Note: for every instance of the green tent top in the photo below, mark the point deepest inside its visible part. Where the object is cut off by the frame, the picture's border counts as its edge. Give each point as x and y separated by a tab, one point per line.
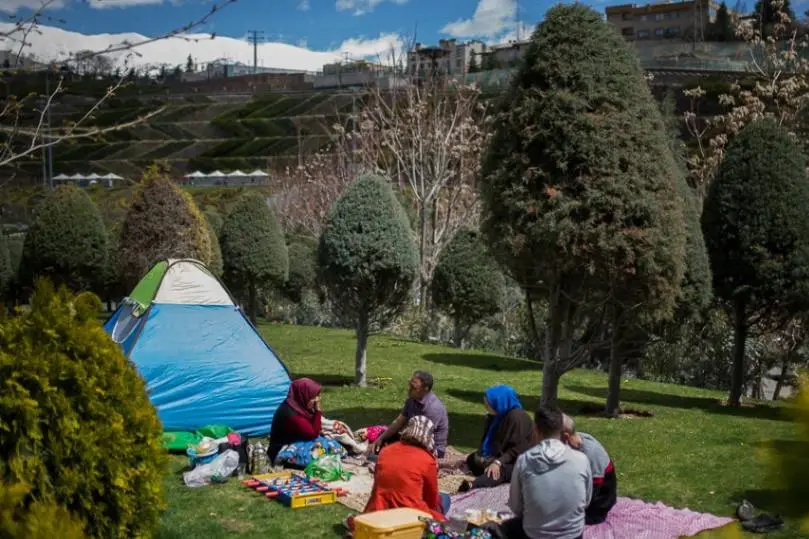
145	291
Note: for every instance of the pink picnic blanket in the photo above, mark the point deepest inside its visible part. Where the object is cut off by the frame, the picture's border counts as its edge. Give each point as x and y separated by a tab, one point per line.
628	518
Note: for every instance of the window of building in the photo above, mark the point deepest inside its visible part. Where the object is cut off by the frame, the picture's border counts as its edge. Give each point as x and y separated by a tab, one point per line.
660	16
644	18
642	34
626	16
675	14
628	32
673	31
659	32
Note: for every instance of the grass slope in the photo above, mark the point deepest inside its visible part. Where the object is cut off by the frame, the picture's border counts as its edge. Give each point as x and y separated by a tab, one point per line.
693	453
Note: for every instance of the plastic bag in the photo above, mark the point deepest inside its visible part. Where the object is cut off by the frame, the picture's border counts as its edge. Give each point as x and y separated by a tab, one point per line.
327	468
217	471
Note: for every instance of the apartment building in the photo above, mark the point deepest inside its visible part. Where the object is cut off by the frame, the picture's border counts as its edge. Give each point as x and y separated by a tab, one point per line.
662	20
449	57
504	55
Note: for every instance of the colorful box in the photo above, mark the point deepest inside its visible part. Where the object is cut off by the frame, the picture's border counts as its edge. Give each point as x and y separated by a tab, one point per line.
293	490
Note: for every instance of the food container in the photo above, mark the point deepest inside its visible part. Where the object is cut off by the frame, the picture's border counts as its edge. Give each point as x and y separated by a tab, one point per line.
390	524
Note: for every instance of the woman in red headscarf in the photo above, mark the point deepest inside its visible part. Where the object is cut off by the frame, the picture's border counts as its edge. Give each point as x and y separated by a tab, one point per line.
298	417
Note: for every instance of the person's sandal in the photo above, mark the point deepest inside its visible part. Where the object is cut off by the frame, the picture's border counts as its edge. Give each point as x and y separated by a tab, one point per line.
763	524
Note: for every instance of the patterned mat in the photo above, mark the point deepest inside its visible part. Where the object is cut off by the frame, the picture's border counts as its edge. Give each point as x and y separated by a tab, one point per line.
629	518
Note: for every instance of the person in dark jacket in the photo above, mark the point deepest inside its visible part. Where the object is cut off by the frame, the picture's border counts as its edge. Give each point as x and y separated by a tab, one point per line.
298	419
507	433
605	482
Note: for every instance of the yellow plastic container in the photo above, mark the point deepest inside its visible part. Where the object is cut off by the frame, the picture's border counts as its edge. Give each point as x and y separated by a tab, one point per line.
390	524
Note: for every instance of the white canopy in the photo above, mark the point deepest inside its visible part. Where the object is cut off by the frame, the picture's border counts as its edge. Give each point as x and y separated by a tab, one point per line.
258	174
216	174
196	174
93	176
78	176
112	176
61	177
236	174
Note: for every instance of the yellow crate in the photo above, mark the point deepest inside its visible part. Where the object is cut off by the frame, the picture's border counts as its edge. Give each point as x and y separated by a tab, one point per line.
299	501
390	524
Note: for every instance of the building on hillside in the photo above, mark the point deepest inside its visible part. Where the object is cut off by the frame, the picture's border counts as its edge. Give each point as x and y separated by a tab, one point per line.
663	20
502	56
448	57
225	69
355	74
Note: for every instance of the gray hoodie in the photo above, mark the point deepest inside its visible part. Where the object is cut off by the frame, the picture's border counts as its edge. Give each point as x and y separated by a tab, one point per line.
551	487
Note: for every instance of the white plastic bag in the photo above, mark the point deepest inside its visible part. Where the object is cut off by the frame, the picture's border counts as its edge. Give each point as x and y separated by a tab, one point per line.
216	471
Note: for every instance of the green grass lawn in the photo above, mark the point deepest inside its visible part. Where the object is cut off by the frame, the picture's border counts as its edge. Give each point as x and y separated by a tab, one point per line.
692	453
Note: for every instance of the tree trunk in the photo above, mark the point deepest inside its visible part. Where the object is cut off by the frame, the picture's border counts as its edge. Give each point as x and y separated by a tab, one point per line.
459	334
360	357
550	384
616	363
422	255
739	342
779	384
252	303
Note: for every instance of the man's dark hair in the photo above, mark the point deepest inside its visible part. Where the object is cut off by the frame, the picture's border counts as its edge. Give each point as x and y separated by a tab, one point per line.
426	379
549	420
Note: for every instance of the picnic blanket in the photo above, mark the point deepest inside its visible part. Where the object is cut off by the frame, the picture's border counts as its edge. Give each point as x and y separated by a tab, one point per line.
629	517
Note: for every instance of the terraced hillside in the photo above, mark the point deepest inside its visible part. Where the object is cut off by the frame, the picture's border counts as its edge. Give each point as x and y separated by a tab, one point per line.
199	132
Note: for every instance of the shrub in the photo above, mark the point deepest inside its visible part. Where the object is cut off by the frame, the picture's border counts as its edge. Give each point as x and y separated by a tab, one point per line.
215	220
253	249
367	259
467	284
757	232
67	240
14	244
215	266
162	222
77	424
35	519
6	273
302	268
578	188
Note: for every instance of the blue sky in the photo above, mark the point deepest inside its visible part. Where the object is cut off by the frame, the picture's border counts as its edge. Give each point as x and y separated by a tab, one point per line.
318	24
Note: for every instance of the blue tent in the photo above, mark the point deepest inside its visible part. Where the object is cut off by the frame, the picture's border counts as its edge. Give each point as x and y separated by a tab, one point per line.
203	361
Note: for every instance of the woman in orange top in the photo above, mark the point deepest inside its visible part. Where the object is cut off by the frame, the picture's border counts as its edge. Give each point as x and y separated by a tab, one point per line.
407	473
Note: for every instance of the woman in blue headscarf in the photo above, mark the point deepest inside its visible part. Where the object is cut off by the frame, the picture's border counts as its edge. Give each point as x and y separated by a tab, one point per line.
507	433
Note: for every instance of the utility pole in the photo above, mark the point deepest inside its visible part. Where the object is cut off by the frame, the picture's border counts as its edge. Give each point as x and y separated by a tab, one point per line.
48	112
517	20
254	37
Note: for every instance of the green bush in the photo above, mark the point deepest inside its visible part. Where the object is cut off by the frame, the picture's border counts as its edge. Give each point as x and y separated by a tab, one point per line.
14	245
67	240
162	222
214	219
6	272
467	283
302	268
34	520
216	252
367	259
253	249
77	424
757	233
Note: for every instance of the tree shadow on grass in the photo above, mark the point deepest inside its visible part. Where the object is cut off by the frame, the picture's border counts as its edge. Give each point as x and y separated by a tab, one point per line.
465	430
326	380
708	404
483	361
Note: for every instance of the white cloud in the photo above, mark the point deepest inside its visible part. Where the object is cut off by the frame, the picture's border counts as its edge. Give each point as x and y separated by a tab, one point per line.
491	17
522	32
112	4
304	5
361	7
11	6
52	43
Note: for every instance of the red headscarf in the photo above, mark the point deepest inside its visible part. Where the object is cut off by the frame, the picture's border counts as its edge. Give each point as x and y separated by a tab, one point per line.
300	393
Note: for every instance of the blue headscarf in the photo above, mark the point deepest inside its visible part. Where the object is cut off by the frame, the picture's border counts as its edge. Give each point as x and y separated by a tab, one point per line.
502	399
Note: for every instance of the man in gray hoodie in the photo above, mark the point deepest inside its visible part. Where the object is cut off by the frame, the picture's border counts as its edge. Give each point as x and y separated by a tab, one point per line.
551	485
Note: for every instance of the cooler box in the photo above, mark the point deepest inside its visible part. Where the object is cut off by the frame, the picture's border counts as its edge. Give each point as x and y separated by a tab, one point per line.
390	524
